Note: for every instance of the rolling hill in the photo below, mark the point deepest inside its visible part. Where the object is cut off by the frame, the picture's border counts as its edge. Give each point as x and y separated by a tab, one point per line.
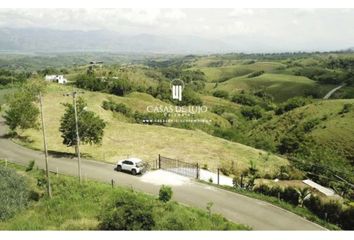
123	138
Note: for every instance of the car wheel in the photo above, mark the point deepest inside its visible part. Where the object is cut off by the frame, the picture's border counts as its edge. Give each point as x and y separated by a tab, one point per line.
119	168
134	172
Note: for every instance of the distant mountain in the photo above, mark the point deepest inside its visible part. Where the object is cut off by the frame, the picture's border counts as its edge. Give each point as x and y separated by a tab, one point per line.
48	40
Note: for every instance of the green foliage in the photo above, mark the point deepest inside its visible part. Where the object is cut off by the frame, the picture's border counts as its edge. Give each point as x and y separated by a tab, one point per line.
120	87
90	82
244	99
116	107
255	74
251	113
221	94
165	193
346	108
128	213
310	124
189	97
23	112
291	104
30	166
14	195
289	144
91	126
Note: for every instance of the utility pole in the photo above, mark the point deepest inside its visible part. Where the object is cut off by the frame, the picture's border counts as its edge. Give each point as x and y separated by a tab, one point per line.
77	135
49	190
77	146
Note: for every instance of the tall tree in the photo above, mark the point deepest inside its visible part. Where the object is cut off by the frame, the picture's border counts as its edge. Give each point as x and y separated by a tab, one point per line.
91	127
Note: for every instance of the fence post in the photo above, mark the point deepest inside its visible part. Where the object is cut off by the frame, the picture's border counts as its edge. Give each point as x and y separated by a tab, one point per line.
241	181
197	171
159	161
218	176
112	182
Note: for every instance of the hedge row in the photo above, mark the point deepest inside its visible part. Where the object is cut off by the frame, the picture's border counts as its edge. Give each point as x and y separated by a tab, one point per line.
331	211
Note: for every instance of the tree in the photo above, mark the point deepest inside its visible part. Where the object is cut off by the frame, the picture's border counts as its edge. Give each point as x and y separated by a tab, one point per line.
91	126
23	112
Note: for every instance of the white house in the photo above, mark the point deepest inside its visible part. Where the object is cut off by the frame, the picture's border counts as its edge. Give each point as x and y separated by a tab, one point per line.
56	78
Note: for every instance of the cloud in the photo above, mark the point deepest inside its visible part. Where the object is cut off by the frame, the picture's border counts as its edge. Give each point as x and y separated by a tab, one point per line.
289	28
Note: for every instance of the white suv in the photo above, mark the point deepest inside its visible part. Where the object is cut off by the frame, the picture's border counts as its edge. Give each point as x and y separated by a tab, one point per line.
132	165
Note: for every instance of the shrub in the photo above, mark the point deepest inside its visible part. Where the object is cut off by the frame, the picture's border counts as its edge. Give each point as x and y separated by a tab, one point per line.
290	195
289	144
346	108
309	125
30	166
165	193
251	113
221	94
263	189
332	211
14	193
347	219
255	74
244	99
116	107
291	104
128	212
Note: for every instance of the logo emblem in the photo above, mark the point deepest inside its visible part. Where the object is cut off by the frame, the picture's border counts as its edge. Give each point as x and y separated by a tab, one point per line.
177	87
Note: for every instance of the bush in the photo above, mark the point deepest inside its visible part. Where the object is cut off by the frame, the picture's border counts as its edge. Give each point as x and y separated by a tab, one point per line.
221	94
291	104
251	113
128	212
346	108
263	189
165	193
255	74
30	166
347	219
14	193
244	99
116	107
332	211
290	195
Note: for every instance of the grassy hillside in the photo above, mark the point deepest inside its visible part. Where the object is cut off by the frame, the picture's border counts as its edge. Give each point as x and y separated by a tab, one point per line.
146	141
280	86
77	206
334	129
223	73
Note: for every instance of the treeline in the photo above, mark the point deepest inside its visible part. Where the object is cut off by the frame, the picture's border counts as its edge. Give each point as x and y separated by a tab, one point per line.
8	77
121	85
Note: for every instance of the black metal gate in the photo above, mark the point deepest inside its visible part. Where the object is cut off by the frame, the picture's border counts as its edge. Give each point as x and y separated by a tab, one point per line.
179	167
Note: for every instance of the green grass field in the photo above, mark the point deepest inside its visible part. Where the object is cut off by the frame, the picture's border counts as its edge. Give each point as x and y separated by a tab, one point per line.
145	141
334	130
223	73
281	86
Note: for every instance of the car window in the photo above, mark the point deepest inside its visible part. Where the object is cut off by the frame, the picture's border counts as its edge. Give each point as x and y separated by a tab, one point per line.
129	163
126	162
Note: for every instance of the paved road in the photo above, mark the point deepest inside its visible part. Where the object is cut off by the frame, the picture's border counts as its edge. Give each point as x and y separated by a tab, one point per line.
329	94
238	208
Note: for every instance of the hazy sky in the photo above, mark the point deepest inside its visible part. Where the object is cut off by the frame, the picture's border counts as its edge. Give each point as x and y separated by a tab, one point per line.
286	29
